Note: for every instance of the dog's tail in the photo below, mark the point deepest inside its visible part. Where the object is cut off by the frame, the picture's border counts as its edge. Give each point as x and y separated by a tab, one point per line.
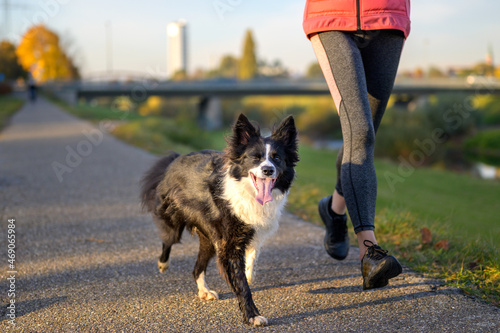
152	179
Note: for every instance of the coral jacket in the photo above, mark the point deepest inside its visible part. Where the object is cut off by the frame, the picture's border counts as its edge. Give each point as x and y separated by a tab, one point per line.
352	15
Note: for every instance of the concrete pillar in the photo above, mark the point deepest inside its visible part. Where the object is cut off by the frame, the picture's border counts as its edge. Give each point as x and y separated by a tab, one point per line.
210	113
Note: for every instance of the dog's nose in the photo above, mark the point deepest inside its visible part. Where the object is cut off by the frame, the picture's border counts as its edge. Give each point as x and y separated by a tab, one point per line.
267	170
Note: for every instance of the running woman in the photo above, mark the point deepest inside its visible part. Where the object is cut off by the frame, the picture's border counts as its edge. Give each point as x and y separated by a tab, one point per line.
358	45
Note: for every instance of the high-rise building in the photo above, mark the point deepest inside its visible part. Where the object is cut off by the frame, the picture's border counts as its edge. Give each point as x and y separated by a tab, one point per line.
176	47
489	56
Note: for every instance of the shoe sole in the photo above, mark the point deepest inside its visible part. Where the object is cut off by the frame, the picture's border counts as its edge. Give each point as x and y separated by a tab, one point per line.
381	278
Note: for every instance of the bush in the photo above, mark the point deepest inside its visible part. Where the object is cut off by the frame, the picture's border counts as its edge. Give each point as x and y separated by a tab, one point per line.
397	134
315	116
160	134
489	108
445	120
455	114
484	147
5	88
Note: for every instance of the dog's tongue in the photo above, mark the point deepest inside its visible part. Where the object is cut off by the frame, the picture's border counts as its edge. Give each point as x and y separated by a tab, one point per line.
265	186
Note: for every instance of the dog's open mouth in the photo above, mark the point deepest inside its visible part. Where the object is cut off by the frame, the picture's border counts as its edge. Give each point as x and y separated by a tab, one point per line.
264	186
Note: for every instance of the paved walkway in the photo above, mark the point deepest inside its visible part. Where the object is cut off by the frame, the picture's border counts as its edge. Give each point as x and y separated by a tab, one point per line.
86	254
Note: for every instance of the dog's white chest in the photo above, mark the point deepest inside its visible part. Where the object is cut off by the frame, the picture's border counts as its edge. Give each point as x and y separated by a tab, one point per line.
263	218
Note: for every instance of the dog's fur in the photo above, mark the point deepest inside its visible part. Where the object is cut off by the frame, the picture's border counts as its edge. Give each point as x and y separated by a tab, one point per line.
214	194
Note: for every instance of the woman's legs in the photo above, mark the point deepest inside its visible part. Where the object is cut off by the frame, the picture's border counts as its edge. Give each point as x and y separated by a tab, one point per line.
360	69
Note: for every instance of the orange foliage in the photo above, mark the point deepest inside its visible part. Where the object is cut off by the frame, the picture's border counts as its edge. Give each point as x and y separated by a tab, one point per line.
39	52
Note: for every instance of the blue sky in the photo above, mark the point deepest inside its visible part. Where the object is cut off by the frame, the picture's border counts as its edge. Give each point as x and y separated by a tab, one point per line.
444	33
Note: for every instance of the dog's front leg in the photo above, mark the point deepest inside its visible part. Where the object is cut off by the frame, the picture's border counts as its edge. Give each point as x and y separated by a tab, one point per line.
251	256
232	266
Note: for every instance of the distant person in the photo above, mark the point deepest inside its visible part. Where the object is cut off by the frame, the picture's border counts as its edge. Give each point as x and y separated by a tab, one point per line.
32	88
358	44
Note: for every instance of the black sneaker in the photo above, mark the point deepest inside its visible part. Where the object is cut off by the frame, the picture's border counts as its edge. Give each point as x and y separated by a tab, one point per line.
378	267
336	239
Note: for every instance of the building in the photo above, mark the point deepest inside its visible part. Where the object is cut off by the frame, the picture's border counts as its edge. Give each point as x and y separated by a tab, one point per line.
489	56
176	47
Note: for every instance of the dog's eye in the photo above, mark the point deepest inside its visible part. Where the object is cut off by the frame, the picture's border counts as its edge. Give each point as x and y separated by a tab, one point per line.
277	158
257	157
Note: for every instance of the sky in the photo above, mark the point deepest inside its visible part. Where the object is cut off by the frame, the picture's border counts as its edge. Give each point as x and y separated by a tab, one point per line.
445	33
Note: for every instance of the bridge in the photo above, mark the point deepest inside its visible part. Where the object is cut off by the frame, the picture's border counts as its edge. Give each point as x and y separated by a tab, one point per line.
211	91
230	88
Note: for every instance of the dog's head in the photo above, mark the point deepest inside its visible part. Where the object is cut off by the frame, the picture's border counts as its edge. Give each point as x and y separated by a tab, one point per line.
268	162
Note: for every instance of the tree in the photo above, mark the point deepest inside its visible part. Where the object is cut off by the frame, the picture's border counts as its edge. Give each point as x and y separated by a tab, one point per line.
435	73
73	54
40	53
9	64
274	69
483	68
228	67
314	71
248	63
179	75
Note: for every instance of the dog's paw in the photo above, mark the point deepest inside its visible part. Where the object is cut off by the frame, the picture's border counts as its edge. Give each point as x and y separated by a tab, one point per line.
208	295
258	321
163	266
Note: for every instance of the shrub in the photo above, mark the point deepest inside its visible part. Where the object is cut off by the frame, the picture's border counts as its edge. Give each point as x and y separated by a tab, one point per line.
489	108
5	88
160	134
484	147
455	114
445	120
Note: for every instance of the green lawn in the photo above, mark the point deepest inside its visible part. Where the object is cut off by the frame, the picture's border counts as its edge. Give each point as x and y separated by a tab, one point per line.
468	206
8	106
465	205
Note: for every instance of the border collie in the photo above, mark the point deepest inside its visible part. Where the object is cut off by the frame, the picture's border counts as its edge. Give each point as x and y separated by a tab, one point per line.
232	200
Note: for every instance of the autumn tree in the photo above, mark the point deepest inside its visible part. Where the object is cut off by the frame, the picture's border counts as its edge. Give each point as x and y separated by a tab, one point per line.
314	71
9	64
228	67
248	63
40	53
180	75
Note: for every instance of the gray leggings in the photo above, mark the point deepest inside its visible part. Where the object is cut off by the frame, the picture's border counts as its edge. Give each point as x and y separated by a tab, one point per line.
360	69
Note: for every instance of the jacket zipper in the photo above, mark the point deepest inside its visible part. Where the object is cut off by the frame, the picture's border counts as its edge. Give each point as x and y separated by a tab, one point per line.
358	15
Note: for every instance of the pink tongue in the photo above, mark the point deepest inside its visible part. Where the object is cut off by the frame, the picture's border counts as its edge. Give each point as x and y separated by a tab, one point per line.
265	186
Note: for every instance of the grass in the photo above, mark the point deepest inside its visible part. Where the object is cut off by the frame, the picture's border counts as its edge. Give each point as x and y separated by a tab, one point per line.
8	106
460	203
94	113
457	209
159	135
468	263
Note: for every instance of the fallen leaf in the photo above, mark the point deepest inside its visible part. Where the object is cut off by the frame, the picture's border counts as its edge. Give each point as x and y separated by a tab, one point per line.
442	244
426	235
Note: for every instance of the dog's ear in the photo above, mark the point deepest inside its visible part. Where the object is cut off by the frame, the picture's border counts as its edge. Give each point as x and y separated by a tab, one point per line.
244	131
286	132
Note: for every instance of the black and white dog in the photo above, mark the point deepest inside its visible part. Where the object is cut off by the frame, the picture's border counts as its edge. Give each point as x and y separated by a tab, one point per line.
232	200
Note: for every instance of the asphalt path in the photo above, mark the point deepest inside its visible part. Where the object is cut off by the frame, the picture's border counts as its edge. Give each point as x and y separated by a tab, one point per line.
85	254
